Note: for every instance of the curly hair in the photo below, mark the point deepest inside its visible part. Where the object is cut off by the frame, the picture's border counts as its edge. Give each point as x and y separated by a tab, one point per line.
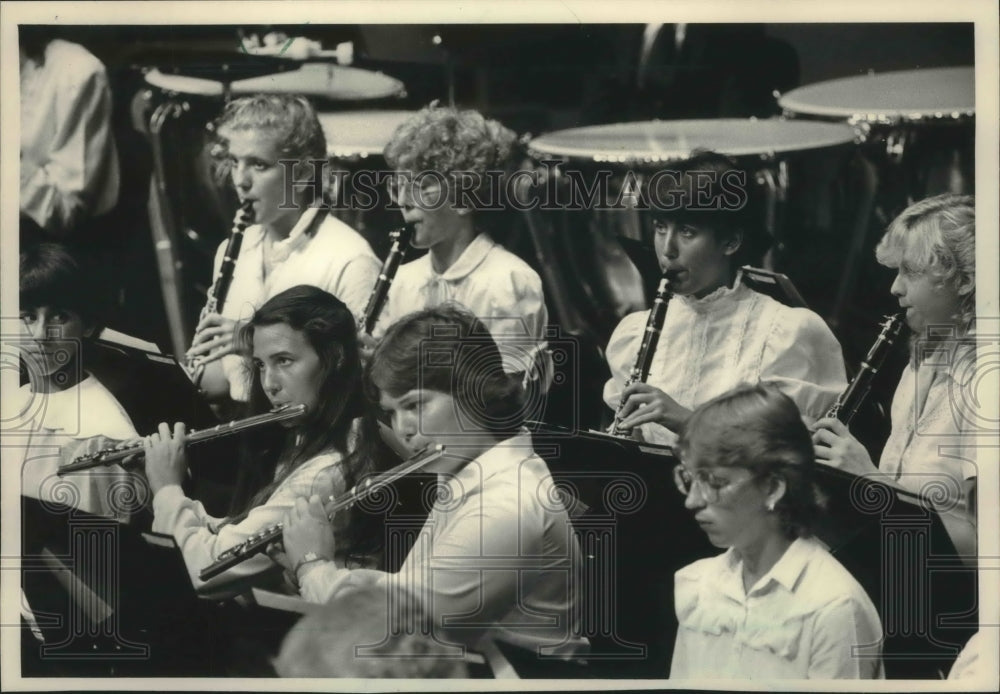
451	142
291	118
760	428
937	236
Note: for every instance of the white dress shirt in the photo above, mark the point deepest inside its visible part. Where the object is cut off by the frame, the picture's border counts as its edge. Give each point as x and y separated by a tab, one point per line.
806	618
730	337
202	540
497	556
495	285
69	164
335	258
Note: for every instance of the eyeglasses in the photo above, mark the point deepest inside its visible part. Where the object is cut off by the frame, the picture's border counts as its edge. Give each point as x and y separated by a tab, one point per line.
711	487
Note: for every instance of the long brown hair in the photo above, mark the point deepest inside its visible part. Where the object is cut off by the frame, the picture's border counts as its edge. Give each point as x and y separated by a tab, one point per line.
332	333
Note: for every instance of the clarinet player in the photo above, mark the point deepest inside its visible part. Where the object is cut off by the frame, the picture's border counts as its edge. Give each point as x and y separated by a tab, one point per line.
717	332
932	246
286	245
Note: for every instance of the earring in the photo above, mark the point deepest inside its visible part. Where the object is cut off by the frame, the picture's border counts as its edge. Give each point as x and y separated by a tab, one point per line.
770	506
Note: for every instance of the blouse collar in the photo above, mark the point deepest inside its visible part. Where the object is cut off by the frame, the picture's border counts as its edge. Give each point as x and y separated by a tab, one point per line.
785	572
284	248
472	257
720	298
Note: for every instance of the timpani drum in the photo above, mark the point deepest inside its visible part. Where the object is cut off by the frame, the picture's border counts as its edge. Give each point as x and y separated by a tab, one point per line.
918	122
917	134
796	169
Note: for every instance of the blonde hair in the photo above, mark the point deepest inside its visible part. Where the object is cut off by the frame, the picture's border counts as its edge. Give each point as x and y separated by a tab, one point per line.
937	237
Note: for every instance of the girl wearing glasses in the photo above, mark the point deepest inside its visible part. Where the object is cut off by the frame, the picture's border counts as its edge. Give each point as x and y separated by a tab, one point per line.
776	604
293	240
718	332
449	163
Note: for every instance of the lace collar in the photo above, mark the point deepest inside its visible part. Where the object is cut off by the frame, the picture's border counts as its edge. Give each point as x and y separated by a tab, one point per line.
719	299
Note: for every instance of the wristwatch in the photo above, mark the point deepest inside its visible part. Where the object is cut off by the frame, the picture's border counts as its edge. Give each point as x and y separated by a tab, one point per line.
307	558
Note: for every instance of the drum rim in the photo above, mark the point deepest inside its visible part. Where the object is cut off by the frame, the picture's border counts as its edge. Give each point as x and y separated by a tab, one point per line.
792	107
763	153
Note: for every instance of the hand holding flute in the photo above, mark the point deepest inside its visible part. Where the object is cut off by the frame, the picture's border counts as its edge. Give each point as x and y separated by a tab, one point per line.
166	462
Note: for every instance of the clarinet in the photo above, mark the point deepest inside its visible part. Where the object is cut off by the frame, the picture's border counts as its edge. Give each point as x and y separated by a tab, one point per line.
257	543
380	293
116	454
651	336
220	289
850	400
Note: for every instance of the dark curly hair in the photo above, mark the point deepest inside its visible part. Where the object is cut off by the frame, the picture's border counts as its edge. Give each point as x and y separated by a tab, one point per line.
760	428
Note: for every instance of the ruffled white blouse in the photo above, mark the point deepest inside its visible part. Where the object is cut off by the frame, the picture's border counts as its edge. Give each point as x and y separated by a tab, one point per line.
732	336
807	618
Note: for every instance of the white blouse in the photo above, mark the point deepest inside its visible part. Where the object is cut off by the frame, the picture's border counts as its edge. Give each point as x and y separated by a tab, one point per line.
733	336
806	618
335	258
497	556
201	540
491	282
46	430
935	418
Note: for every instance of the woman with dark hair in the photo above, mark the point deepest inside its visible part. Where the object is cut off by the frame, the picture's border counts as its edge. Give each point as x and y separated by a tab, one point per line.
497	555
776	604
304	352
718	332
64	409
292	240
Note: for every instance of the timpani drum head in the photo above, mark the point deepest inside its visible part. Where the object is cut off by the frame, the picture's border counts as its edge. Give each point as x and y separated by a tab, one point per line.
648	143
322	80
325	80
182	84
360	134
933	93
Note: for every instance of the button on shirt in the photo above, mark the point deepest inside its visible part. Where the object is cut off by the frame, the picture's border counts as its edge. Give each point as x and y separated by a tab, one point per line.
491	282
335	258
497	556
807	618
